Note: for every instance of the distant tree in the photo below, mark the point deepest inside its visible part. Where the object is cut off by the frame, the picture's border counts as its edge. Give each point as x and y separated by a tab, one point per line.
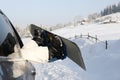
68	24
118	7
93	16
114	8
111	9
77	19
19	30
102	13
59	26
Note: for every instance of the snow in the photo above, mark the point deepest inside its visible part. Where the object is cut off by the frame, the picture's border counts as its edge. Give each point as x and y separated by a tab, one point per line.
112	18
31	52
101	63
103	31
18	68
56	71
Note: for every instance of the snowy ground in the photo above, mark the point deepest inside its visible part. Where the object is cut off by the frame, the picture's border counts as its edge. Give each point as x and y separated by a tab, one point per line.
101	64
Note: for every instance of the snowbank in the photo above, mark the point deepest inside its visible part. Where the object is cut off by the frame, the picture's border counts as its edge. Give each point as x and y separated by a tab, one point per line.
32	52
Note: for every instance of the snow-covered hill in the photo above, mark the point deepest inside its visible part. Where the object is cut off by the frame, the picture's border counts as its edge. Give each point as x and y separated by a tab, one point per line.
103	31
112	18
101	64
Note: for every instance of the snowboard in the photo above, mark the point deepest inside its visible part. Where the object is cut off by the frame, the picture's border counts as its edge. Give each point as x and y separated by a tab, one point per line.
70	49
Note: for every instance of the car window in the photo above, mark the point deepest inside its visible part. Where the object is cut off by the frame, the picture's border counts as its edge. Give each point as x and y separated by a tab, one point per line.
8	39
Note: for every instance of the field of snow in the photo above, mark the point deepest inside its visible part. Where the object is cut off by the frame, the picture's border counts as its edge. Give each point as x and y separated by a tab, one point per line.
101	64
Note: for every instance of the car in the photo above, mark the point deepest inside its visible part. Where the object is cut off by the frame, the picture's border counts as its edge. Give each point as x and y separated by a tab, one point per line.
12	68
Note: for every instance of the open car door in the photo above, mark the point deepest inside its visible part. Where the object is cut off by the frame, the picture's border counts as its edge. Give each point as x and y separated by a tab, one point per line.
10	42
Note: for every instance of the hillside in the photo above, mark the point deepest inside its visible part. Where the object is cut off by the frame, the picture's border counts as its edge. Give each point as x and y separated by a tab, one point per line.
112	18
101	63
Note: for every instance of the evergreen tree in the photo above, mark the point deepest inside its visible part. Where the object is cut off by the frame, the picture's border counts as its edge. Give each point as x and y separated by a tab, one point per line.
118	7
111	9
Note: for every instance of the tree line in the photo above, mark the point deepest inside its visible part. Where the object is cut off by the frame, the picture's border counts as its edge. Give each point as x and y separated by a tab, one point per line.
106	11
111	9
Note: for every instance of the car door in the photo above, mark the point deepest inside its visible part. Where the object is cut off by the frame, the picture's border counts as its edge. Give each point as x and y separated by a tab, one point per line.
9	38
14	68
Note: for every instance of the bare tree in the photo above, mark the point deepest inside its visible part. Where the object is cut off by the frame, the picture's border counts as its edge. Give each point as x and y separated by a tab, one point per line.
93	16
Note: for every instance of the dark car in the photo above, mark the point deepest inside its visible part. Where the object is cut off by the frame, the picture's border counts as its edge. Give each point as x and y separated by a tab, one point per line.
10	42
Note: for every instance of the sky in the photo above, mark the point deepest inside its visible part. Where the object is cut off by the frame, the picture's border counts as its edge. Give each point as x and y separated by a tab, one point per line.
50	12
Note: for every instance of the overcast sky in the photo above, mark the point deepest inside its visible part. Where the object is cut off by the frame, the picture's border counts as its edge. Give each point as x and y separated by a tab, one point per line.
50	12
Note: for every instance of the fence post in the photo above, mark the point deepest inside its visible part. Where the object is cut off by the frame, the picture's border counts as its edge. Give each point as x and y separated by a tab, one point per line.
96	38
81	35
88	35
106	42
75	36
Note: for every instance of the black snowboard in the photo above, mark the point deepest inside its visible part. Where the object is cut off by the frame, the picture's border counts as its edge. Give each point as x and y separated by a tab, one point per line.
70	50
